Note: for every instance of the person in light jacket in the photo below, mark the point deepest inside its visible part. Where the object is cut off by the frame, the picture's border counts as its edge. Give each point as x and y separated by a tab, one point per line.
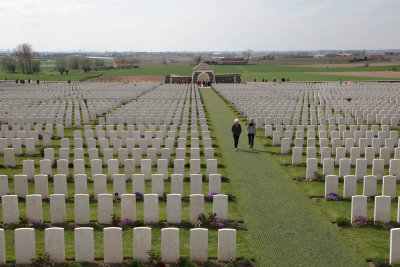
251	132
236	131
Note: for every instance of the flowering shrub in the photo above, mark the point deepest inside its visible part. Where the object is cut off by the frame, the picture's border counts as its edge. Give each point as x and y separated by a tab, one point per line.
139	196
333	197
142	136
360	221
211	196
212	221
36	225
127	223
40	136
104	113
96	137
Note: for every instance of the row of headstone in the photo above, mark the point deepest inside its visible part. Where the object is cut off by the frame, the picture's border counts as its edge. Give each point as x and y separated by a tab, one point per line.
25	247
34	210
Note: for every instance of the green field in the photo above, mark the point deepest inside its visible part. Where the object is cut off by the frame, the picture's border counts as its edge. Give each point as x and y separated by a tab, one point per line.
249	72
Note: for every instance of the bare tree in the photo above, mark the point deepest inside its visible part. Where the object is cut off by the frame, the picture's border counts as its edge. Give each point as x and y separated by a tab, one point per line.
24	54
247	54
62	65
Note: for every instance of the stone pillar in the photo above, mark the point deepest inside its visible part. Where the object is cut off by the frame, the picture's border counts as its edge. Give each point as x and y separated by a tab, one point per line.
382	209
81	207
138	184
220	206
170	245
34	211
128	207
389	186
21	185
84	244
10	209
174	209
57	208
226	244
177	184
104	208
214	183
350	186
2	248
80	181
358	207
198	244
141	243
369	186
394	245
196	206
54	244
331	184
157	184
60	184
24	245
312	168
112	237
119	184
42	185
9	157
196	184
28	168
150	208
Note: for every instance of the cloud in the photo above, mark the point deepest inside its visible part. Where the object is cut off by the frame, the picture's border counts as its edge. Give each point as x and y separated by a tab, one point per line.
173	25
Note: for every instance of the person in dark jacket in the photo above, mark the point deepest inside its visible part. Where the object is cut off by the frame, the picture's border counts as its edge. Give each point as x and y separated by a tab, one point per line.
236	131
251	132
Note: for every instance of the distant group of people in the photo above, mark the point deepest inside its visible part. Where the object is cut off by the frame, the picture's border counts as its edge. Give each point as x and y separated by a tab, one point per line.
250	131
22	81
203	84
274	80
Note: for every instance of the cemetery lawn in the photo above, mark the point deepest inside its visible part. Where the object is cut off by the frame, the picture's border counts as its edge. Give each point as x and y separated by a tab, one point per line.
369	243
285	228
249	72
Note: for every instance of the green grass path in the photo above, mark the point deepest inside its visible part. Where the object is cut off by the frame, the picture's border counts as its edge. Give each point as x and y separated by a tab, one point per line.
284	229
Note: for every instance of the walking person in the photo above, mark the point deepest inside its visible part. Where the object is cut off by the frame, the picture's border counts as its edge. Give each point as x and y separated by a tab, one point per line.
251	132
236	131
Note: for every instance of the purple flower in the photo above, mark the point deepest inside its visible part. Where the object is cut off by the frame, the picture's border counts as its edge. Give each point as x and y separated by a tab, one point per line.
293	137
245	116
375	136
40	136
329	137
360	221
242	112
96	137
139	196
211	196
197	113
141	136
126	222
333	197
104	113
219	223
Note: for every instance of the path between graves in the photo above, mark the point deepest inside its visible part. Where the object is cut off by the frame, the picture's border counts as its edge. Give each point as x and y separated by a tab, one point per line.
284	228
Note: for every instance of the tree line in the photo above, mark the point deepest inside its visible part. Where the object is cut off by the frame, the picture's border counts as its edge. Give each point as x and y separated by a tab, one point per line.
63	65
23	60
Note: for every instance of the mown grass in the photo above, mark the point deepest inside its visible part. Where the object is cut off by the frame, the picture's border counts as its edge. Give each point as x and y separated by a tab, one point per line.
284	227
369	242
266	70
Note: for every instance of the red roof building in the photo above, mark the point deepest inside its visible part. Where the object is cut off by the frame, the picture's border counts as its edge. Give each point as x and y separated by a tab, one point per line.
122	64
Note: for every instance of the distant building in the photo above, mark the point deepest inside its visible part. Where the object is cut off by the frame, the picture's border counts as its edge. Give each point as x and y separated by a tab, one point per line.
376	57
345	55
171	60
203	73
122	64
232	61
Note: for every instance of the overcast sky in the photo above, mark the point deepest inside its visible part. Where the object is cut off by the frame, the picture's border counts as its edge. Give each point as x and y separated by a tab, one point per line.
206	25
